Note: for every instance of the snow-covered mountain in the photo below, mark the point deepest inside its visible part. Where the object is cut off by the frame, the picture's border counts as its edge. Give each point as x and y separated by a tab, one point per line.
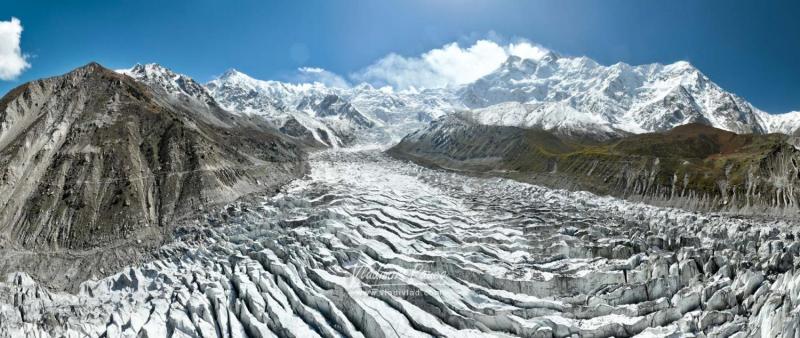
310	110
557	117
360	113
178	85
637	99
569	95
333	126
788	123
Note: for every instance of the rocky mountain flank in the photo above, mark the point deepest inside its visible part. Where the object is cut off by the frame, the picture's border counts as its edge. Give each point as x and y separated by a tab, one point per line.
695	167
96	167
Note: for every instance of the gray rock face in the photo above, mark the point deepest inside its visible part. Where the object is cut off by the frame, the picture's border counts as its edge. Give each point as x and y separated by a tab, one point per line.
373	247
93	160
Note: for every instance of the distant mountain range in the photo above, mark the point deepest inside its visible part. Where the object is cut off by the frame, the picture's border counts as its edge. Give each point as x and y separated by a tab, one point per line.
665	134
327	116
567	95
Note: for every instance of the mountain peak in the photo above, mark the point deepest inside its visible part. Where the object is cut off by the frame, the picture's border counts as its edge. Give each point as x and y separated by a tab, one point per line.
642	98
682	64
232	73
175	84
137	67
92	64
682	67
90	67
148	71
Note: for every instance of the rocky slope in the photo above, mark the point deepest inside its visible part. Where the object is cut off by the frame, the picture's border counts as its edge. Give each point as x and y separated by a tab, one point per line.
96	167
693	166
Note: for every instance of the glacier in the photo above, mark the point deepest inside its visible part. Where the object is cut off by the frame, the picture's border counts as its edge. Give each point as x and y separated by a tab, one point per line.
369	246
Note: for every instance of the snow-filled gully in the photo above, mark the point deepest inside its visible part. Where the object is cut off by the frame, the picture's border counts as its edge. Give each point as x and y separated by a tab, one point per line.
372	247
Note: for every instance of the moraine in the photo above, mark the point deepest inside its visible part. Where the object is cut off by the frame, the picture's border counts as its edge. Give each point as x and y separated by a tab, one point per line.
368	246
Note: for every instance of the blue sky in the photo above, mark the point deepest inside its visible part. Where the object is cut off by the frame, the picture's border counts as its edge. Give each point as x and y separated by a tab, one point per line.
748	47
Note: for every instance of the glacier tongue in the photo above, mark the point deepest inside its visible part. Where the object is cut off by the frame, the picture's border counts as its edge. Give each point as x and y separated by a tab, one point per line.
373	247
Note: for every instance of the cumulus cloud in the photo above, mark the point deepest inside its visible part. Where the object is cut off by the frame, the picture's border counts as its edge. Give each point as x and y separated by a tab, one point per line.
314	74
446	66
12	61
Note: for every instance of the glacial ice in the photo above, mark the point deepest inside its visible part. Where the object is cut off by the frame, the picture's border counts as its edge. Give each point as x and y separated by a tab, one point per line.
368	246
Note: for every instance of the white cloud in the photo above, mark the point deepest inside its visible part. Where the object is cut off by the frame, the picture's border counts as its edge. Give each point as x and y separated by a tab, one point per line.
314	74
12	61
446	66
527	50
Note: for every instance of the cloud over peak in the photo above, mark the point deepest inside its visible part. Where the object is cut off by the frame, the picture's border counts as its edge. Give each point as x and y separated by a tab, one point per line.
315	74
12	61
446	66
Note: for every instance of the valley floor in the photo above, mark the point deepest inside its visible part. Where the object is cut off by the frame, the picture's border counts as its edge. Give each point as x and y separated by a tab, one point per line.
368	246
